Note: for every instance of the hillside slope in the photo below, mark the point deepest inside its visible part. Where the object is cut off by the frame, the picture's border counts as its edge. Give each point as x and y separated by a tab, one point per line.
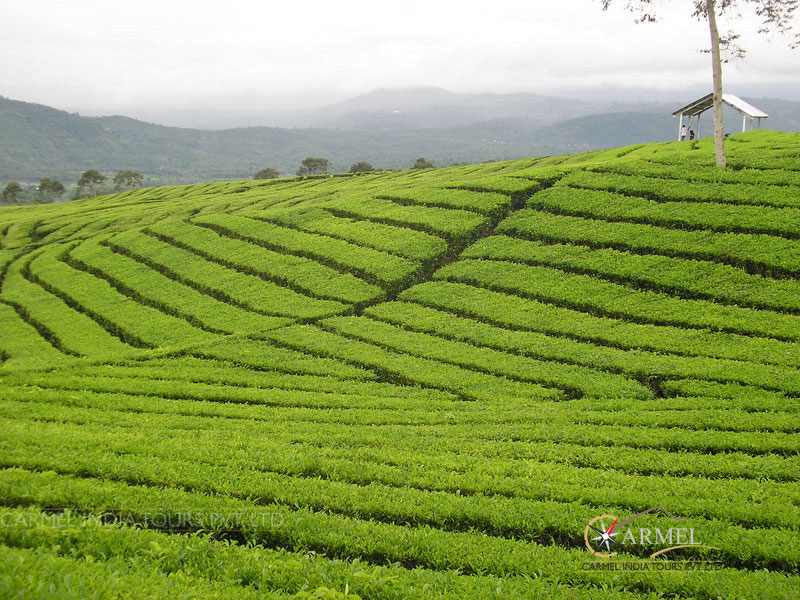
410	384
39	141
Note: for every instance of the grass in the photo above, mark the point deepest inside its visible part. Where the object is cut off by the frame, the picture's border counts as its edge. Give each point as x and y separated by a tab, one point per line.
407	384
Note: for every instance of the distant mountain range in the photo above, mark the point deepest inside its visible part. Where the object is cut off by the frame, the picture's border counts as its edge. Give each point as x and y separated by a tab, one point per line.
388	128
406	108
436	108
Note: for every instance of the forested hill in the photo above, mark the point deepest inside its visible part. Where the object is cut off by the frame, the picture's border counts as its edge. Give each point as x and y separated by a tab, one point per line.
37	141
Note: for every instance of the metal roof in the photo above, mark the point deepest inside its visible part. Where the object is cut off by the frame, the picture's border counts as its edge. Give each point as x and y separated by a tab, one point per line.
703	104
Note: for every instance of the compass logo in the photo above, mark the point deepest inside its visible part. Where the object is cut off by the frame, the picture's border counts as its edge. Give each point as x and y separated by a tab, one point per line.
605	535
601	543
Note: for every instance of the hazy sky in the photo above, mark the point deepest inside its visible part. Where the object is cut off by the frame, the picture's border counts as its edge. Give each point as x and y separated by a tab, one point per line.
117	56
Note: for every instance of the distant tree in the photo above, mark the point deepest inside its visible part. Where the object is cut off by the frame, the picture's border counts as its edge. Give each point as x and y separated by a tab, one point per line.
12	192
423	163
267	174
88	182
313	166
127	179
361	167
775	15
50	189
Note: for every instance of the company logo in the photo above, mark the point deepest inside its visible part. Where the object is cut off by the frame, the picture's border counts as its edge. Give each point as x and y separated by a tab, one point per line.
605	535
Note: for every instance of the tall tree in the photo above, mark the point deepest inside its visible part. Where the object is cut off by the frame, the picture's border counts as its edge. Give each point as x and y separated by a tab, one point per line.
776	16
12	192
313	166
88	181
127	179
361	167
716	76
50	189
267	173
423	163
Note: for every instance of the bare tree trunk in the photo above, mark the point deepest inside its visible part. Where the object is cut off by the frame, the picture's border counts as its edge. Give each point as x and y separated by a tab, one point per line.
716	67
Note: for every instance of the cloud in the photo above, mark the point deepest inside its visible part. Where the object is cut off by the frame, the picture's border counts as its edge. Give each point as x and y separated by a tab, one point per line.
85	54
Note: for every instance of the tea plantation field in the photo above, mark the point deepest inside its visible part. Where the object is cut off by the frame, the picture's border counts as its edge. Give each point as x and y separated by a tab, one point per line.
416	384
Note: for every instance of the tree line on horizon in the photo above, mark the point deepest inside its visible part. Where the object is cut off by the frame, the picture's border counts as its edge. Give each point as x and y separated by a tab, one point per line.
320	166
87	186
90	182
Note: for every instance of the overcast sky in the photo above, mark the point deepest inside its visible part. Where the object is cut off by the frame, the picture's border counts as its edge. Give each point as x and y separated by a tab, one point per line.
101	57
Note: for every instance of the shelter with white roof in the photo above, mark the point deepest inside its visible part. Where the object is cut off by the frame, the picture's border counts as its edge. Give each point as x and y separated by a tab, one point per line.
701	105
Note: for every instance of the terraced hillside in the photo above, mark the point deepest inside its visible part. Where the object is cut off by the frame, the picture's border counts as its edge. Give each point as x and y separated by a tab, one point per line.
416	384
